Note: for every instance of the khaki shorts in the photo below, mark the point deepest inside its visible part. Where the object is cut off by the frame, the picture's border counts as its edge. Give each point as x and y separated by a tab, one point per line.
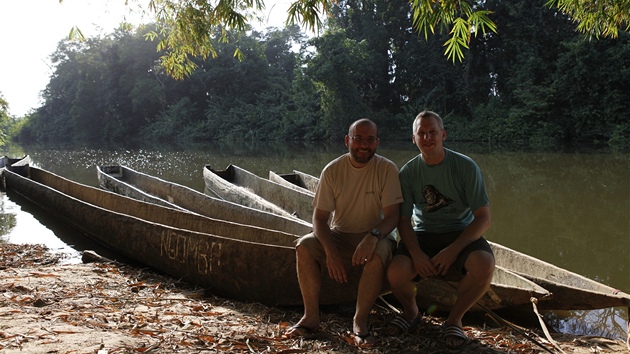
346	244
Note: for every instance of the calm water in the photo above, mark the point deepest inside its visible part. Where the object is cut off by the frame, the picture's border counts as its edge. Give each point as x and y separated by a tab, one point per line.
571	209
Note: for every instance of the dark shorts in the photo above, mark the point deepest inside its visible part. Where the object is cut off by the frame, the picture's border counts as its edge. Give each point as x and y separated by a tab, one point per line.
432	243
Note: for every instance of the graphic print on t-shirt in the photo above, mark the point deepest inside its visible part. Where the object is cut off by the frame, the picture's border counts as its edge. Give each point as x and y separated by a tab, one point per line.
434	199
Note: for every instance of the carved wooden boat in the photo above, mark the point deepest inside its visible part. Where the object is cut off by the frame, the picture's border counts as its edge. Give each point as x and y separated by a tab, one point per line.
237	185
229	259
295	179
570	290
126	181
5	161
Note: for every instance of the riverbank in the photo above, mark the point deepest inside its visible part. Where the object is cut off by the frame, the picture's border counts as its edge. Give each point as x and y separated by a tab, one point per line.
50	307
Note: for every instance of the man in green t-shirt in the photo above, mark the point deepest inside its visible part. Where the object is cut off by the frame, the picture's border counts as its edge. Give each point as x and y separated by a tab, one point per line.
443	216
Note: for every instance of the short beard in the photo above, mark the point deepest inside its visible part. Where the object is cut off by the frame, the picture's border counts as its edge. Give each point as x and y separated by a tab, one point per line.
361	159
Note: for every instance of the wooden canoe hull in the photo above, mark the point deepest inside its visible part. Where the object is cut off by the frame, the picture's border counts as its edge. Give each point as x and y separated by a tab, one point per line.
295	179
17	163
137	185
512	291
225	182
507	290
222	187
228	259
570	290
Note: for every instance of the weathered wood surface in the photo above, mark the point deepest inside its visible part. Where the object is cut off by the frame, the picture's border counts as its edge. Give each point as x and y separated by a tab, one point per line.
18	163
219	184
295	179
126	181
293	200
570	290
229	259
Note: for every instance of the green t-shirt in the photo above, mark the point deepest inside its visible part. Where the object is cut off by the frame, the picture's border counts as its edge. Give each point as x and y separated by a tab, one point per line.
443	197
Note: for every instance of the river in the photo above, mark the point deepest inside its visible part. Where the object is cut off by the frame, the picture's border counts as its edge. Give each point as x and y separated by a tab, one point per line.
567	207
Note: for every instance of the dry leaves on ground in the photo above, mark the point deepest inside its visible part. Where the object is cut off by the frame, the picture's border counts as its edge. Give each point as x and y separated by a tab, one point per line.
46	307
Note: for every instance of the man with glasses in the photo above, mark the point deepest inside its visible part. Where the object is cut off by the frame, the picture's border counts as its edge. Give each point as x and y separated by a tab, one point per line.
362	191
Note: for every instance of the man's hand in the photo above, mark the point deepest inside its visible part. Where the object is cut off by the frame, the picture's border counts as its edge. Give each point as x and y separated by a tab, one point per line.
364	250
424	266
336	269
444	260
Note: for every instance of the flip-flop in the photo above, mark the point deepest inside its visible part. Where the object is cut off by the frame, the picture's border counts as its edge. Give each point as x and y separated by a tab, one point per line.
455	332
365	340
298	330
399	325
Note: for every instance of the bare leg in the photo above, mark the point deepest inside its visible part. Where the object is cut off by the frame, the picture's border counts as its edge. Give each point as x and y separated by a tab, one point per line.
370	287
400	274
309	277
472	287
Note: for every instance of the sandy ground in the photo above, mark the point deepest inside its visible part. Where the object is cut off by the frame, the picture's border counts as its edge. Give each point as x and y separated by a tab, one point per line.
47	307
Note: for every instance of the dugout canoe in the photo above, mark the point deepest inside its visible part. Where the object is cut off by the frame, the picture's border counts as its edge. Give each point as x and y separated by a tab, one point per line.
134	184
237	184
228	259
5	161
126	181
571	291
232	260
295	179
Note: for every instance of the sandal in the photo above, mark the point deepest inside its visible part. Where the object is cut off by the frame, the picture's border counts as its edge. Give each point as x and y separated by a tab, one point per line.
399	325
453	333
363	340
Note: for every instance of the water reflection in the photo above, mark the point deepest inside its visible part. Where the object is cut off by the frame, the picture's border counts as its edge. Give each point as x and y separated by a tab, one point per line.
600	323
7	217
568	208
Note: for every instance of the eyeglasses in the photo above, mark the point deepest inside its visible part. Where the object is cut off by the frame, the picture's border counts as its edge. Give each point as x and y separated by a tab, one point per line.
359	139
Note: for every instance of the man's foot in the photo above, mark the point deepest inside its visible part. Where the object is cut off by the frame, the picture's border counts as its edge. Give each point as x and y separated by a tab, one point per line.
454	337
399	325
365	340
299	330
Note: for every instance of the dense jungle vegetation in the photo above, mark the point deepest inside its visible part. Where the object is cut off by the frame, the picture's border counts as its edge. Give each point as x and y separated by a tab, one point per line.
535	80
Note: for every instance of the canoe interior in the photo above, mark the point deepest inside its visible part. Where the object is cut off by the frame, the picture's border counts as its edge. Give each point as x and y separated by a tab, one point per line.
137	185
295	180
219	183
293	200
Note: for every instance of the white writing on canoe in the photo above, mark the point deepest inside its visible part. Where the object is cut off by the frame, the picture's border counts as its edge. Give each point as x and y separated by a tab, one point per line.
186	249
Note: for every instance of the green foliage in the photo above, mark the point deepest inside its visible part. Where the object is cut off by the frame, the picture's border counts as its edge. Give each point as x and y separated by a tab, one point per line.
597	18
536	81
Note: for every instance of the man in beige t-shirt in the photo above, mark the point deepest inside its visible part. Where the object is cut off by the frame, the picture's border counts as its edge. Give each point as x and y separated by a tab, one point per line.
362	191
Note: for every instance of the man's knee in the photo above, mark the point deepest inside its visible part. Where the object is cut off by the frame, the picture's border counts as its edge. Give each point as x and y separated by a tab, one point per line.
396	271
481	264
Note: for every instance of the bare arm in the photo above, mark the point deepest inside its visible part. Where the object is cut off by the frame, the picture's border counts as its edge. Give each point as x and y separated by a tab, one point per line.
366	248
334	262
421	262
471	233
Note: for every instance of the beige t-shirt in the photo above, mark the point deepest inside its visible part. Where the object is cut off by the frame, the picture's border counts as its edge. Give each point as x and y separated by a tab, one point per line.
357	196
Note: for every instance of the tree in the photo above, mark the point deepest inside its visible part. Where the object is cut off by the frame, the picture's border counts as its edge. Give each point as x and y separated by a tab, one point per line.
186	26
597	18
4	120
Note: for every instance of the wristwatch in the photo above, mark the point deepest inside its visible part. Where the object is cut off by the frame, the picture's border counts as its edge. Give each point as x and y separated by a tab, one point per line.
376	232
